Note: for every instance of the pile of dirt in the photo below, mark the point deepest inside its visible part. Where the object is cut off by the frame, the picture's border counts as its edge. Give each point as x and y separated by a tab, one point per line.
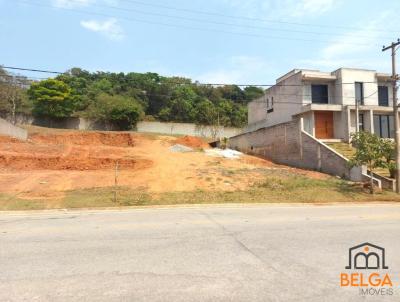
85	138
71	151
22	162
192	142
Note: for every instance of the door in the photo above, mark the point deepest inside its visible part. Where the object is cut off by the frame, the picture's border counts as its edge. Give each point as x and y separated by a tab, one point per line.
323	124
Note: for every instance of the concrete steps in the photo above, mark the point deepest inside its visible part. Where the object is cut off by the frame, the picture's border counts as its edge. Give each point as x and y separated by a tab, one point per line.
345	149
348	151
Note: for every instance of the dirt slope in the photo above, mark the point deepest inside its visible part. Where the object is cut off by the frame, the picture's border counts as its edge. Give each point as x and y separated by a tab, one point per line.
52	162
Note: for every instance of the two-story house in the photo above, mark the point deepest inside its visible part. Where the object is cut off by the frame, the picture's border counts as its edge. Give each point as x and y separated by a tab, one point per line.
327	102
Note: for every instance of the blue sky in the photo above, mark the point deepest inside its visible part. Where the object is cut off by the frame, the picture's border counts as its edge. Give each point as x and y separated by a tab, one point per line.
229	41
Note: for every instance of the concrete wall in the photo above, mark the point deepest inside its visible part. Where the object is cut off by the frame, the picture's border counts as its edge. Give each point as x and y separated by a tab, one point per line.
153	127
288	144
187	129
287	98
9	129
370	80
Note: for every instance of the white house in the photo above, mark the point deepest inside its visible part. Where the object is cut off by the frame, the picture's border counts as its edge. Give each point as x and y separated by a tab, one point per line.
327	102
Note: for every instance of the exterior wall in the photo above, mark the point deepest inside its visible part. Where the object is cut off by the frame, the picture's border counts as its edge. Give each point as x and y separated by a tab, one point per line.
9	129
370	80
293	100
287	101
187	129
287	143
152	127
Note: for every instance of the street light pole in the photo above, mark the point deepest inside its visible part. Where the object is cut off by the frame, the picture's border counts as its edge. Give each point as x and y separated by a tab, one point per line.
393	48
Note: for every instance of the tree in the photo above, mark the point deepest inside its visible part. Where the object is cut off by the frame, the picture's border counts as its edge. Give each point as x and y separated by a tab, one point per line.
51	98
13	94
388	152
369	152
122	111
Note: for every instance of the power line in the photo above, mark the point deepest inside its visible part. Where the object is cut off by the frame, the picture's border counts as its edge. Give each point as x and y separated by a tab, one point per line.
180	83
193	28
125	9
249	18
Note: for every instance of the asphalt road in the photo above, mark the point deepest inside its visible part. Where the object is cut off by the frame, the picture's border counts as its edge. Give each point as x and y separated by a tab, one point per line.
215	253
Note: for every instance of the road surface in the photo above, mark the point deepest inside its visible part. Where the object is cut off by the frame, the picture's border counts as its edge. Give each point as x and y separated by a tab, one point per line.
204	253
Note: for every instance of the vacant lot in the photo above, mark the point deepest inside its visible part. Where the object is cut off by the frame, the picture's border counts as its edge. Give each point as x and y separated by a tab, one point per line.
57	168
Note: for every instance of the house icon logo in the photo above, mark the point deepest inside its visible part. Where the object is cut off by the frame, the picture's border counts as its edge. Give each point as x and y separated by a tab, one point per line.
366	256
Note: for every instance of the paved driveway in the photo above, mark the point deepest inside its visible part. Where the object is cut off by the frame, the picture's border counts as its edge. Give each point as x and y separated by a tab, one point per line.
215	253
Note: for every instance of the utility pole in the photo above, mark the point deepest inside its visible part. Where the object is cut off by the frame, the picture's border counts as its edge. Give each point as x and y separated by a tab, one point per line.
395	110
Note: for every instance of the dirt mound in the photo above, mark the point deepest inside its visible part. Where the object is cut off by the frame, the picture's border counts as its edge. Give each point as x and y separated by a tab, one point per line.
72	151
85	138
192	141
70	163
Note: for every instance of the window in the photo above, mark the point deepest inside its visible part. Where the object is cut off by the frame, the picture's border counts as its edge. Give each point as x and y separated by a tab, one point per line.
361	121
359	90
272	102
383	96
319	94
383	126
267	103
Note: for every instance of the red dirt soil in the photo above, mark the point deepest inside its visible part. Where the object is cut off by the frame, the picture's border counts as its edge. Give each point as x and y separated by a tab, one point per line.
52	162
193	142
70	151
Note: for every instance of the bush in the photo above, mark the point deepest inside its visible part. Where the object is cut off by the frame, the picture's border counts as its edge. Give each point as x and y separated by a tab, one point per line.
122	111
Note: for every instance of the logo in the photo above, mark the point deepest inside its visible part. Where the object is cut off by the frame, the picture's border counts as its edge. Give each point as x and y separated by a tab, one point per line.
367	271
366	256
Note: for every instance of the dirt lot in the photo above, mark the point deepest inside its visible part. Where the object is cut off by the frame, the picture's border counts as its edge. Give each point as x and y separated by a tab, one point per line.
52	162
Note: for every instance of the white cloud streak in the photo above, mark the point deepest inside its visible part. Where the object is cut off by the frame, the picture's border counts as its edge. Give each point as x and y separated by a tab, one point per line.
108	28
72	3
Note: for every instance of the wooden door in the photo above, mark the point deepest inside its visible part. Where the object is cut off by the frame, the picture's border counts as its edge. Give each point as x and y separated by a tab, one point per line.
323	124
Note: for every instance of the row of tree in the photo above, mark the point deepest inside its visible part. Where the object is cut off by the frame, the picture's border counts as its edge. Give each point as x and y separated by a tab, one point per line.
123	99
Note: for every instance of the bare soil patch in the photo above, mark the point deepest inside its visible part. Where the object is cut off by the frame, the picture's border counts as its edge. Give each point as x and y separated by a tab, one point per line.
52	162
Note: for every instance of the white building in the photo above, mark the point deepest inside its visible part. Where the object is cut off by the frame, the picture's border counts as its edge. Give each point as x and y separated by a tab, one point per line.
327	102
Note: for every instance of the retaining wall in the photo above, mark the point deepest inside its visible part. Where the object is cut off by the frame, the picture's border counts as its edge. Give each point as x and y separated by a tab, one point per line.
288	144
153	127
9	129
187	129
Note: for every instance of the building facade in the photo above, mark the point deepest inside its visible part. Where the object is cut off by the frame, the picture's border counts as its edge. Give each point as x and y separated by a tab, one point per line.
327	103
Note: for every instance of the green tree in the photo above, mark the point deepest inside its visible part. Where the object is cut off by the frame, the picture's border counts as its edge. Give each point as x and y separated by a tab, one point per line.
206	113
369	152
388	151
13	98
119	110
51	98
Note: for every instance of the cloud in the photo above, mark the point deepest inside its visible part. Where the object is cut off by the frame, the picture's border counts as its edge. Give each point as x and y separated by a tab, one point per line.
312	7
356	48
108	28
283	9
72	3
238	69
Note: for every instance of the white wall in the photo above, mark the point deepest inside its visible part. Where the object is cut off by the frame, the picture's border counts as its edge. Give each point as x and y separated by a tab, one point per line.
187	129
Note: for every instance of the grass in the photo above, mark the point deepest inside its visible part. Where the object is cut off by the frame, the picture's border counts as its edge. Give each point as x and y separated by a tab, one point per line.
275	188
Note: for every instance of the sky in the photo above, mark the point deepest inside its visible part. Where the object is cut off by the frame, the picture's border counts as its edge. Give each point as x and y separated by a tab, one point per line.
219	41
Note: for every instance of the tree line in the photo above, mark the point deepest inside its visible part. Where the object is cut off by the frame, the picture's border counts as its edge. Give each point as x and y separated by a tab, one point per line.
125	98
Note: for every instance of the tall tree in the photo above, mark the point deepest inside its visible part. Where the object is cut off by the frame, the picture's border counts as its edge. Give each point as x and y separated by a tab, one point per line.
51	98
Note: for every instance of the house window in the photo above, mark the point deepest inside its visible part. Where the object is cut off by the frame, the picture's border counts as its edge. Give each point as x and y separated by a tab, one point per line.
361	121
383	126
272	102
383	96
359	90
319	94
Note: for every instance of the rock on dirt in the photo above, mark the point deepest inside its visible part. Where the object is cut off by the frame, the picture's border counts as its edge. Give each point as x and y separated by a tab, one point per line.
180	148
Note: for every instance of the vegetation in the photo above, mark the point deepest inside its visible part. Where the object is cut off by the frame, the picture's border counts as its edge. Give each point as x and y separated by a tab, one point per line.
126	98
13	98
369	151
275	188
